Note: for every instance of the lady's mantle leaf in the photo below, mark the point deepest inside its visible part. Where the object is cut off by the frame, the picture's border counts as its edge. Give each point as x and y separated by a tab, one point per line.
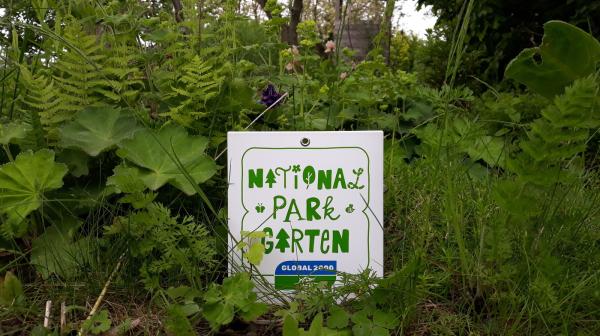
156	155
24	181
13	131
97	129
54	252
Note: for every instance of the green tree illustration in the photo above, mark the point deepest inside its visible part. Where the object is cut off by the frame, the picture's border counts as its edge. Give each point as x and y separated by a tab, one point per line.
270	179
282	240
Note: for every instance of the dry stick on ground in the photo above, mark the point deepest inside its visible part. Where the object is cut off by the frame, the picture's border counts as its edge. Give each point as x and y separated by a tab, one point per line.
63	317
47	314
103	292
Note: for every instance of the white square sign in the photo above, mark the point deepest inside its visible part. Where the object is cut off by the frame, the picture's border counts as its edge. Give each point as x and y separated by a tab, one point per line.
315	197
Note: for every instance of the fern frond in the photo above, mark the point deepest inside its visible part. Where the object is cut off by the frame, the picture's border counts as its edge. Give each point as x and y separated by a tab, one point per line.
558	139
123	78
39	106
197	84
75	73
564	128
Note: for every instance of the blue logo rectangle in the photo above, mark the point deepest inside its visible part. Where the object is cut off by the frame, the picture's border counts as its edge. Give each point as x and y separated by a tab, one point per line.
304	268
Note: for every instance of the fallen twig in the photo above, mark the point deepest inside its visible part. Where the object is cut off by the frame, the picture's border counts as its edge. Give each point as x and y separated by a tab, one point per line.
103	292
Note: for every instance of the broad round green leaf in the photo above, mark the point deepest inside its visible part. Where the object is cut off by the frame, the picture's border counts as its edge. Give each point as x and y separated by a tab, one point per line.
54	252
24	181
97	129
566	54
157	153
13	131
76	161
338	318
255	253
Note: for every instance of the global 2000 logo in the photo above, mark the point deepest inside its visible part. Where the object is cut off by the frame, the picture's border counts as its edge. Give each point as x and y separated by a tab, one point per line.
289	273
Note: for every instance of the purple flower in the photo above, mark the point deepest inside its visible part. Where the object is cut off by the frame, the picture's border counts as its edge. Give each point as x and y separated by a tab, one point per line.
269	95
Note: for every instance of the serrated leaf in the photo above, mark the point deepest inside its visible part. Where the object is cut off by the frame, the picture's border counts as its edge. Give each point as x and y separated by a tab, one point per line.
252	311
184	292
379	325
567	53
190	308
155	153
222	302
177	322
338	318
13	131
218	314
24	182
255	254
126	179
361	317
384	319
237	290
54	252
98	323
97	129
76	160
379	331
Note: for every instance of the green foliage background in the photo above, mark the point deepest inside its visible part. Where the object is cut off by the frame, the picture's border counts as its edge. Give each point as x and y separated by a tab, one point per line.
113	120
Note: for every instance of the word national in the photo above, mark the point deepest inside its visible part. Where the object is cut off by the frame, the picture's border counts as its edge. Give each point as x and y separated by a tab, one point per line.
296	177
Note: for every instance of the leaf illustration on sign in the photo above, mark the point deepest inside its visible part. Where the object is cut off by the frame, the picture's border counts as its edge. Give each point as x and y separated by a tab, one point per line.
308	175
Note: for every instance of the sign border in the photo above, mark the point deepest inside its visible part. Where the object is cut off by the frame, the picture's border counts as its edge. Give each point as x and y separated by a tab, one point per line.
367	205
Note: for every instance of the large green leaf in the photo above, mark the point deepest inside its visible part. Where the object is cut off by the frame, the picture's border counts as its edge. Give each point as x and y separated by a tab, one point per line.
76	161
236	294
566	53
11	290
13	131
24	181
156	155
97	129
97	323
55	252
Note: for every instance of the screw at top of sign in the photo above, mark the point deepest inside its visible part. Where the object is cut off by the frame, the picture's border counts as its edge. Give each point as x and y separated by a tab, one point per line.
305	142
